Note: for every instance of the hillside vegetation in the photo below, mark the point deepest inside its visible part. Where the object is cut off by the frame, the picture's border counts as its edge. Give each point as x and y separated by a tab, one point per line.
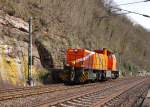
60	24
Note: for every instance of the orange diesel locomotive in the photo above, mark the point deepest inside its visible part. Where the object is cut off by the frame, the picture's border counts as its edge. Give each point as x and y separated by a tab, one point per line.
83	65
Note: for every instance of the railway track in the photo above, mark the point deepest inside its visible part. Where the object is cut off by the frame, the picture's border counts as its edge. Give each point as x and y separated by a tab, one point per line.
94	94
7	94
97	97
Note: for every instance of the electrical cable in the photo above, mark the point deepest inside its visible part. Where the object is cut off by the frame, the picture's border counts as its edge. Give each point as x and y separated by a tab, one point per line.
119	9
128	12
133	3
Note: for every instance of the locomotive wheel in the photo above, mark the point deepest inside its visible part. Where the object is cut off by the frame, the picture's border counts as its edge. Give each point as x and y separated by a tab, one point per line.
99	76
103	76
115	75
72	75
71	78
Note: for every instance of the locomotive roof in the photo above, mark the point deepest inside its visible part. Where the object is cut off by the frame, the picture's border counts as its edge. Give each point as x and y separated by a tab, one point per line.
97	51
102	51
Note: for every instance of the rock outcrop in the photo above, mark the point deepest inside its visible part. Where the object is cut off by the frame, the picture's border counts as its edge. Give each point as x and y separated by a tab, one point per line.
14	51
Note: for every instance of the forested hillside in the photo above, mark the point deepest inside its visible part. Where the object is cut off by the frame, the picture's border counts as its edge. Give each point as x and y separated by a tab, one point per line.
60	24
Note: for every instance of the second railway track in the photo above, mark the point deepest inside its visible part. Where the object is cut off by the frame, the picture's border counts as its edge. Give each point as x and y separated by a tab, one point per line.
97	97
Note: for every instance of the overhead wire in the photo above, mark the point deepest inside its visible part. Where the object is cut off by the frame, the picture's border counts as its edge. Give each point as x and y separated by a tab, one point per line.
119	9
119	14
115	9
133	3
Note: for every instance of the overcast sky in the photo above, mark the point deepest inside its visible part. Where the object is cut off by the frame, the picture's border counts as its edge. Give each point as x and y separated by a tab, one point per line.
143	8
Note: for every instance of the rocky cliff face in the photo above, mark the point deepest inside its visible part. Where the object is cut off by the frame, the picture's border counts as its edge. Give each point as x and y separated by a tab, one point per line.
14	51
62	24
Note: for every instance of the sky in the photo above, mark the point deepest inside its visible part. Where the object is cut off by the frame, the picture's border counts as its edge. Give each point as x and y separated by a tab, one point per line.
143	8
